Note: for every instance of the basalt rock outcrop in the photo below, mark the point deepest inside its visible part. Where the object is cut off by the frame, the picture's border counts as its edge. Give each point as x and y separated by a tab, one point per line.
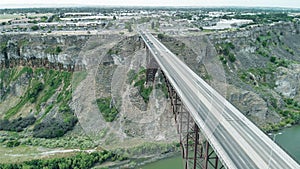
255	68
53	52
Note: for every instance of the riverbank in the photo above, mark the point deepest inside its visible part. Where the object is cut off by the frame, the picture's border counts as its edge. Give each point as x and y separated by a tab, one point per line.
143	154
288	139
153	161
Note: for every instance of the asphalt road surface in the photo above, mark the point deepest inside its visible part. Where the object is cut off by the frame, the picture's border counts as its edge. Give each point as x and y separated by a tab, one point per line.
235	139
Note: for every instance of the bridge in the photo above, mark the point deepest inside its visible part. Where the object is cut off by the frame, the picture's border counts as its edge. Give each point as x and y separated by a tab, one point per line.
213	133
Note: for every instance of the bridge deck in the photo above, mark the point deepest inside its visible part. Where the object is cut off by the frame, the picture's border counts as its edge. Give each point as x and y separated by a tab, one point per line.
235	139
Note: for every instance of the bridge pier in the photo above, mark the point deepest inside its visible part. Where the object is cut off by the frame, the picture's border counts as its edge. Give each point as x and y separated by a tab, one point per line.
196	151
152	67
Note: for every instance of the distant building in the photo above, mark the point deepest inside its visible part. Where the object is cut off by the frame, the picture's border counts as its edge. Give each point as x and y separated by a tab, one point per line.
21	21
78	14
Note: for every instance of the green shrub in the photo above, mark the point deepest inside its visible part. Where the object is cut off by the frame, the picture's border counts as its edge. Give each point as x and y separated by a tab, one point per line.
108	111
54	127
12	143
143	90
282	62
37	87
264	43
160	36
145	93
54	79
289	101
80	160
26	70
140	83
262	53
224	48
258	39
31	96
43	85
17	124
273	59
35	28
54	50
57	49
231	57
223	59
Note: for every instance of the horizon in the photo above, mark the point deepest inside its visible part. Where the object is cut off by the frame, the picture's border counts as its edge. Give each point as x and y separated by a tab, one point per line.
15	6
291	4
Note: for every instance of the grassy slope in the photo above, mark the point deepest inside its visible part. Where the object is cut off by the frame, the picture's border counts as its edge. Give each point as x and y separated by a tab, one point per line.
47	90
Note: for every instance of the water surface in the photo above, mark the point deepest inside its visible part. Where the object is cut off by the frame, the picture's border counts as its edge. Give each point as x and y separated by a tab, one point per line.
289	140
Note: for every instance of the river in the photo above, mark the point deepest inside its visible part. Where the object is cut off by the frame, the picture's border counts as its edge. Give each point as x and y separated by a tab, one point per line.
288	139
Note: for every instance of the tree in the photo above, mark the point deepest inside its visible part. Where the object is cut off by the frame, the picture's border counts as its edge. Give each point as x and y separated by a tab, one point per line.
35	27
273	59
152	25
58	50
264	43
231	57
114	17
160	36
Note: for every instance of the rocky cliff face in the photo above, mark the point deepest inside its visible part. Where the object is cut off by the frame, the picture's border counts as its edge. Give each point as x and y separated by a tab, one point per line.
288	81
262	63
58	52
256	69
114	67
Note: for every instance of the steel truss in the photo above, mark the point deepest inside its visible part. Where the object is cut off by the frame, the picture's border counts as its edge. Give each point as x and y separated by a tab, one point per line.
196	151
152	67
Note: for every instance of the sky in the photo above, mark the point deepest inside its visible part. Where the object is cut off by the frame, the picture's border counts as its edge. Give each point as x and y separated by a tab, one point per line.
195	3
